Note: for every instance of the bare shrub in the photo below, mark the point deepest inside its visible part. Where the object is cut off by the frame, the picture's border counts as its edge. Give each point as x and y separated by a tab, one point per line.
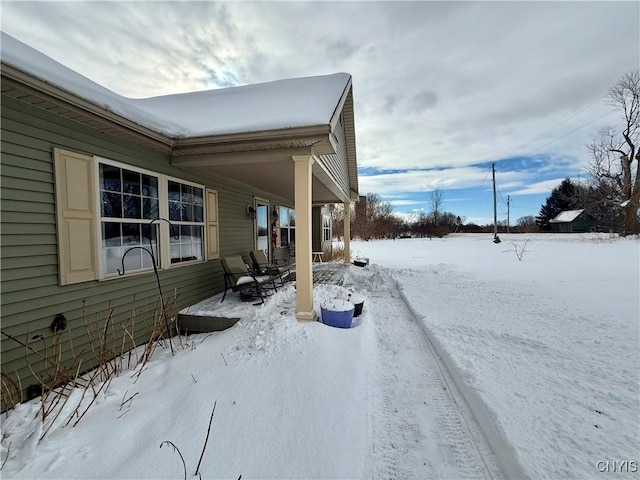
11	389
518	249
112	350
336	254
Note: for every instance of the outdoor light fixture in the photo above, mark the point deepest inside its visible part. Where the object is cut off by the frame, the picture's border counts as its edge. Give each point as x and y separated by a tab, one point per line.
274	214
251	212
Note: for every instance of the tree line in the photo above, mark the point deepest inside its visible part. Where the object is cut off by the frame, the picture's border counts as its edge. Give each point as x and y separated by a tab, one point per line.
373	218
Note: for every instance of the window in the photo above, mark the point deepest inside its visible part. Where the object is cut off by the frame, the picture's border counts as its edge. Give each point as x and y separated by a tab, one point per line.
128	202
186	214
105	212
287	226
326	228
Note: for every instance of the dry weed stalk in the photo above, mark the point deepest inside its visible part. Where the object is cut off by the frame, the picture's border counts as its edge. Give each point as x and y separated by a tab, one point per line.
176	449
128	400
158	333
7	457
204	447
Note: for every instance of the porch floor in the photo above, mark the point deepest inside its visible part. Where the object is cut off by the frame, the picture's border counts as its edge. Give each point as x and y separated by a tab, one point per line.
211	314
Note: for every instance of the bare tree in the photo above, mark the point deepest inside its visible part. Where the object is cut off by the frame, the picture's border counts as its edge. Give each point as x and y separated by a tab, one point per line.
527	224
337	219
374	220
437	197
612	167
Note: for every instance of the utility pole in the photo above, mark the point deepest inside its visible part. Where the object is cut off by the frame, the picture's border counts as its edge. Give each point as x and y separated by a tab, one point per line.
495	207
508	202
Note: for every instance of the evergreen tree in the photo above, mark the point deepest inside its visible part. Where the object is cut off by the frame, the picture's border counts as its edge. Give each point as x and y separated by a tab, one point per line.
565	196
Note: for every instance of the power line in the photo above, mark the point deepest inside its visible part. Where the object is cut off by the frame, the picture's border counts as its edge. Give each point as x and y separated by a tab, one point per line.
576	129
500	193
581	109
477	191
485	179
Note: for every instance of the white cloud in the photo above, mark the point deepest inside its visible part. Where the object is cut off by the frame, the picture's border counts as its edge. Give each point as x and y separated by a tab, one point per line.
404	202
537	188
428	180
438	86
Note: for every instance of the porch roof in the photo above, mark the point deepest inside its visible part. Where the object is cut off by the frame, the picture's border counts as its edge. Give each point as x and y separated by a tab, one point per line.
221	130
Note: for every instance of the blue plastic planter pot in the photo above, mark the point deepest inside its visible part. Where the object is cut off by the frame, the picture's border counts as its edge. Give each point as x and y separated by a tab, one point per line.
337	313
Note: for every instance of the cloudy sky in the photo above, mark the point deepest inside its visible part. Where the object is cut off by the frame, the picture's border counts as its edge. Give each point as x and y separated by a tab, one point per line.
442	89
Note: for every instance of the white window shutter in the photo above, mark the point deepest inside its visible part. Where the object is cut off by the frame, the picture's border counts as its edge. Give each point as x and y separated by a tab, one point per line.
75	212
213	243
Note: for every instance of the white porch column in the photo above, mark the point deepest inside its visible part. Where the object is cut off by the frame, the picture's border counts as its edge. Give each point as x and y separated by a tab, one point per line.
304	273
347	232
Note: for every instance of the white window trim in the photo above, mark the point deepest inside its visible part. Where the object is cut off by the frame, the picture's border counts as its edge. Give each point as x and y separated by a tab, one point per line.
164	247
328	229
165	253
280	226
263	201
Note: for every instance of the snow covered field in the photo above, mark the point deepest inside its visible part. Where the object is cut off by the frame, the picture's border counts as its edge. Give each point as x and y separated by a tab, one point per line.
467	363
547	349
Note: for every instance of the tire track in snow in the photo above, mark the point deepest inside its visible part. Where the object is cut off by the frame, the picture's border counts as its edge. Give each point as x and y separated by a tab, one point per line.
419	424
480	419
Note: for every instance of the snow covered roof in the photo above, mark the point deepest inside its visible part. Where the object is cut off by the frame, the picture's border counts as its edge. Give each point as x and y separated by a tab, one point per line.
298	102
567	216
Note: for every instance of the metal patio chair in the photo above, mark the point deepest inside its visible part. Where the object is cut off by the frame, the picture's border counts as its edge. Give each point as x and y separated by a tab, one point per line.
239	278
262	266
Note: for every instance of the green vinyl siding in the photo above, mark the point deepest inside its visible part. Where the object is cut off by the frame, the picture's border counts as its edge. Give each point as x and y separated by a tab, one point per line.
337	163
30	293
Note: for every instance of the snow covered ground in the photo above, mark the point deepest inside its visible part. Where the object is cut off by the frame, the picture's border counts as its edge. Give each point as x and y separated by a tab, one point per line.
546	349
466	363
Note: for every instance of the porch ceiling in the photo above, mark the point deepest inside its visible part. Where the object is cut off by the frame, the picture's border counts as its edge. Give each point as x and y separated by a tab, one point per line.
276	178
268	167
